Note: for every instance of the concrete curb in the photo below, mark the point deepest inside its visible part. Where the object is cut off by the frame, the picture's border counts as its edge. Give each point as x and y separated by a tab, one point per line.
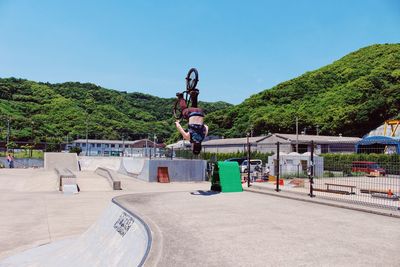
288	195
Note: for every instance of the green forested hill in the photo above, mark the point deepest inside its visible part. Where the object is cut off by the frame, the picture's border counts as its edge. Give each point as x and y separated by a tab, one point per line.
351	96
46	111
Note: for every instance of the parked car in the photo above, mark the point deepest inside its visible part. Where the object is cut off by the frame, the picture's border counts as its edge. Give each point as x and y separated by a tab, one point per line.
255	164
369	167
238	160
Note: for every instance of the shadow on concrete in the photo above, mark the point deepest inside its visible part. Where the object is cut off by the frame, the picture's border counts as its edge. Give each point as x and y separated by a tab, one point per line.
204	193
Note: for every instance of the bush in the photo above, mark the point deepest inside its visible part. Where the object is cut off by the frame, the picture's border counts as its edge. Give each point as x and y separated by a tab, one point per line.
75	149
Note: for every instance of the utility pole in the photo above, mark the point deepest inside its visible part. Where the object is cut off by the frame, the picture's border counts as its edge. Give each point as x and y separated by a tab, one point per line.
87	135
8	131
123	145
248	160
154	145
297	134
317	129
32	123
145	152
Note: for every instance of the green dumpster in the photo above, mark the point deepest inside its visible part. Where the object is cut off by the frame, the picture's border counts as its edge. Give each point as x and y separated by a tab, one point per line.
226	177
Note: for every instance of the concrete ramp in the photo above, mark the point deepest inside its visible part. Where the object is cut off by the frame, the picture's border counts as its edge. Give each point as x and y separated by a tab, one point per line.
92	163
118	238
132	166
54	160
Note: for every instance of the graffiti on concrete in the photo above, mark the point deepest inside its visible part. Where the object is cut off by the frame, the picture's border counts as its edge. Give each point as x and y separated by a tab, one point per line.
124	223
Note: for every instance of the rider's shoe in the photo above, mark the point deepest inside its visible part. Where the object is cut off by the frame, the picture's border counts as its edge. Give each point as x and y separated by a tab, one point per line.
194	93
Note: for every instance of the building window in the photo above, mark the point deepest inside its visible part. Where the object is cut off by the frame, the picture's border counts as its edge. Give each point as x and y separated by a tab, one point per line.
83	145
98	145
112	145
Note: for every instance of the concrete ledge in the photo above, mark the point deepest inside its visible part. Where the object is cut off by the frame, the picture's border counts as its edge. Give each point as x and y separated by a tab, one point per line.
65	177
111	177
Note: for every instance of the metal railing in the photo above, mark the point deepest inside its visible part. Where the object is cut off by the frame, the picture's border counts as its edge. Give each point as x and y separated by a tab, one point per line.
370	177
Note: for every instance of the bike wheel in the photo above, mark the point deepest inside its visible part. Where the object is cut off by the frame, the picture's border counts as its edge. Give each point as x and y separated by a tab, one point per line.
191	79
177	109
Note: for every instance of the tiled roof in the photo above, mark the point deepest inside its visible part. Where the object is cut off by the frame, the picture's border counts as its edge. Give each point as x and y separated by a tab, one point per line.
233	141
283	138
319	138
96	141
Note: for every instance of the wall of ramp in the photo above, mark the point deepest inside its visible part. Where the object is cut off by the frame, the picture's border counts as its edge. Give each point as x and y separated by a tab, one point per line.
132	166
178	170
92	163
61	161
118	238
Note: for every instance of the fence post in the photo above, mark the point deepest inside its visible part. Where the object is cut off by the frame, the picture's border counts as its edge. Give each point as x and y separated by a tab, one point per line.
311	171
278	167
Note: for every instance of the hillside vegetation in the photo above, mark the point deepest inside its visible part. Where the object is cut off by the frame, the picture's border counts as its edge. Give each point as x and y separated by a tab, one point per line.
351	96
44	111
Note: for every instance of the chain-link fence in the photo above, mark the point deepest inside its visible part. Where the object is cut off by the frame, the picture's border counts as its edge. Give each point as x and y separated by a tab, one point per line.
370	175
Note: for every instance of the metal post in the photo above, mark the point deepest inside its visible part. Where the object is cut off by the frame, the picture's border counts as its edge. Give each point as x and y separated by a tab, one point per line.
32	139
8	131
145	152
297	134
87	136
154	145
248	160
277	169
123	145
311	171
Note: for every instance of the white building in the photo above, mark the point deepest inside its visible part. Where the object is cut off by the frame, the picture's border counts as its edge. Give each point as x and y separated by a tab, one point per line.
295	164
288	143
93	147
231	145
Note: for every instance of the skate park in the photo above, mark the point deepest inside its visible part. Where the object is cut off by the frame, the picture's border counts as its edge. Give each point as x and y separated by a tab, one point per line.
179	223
139	133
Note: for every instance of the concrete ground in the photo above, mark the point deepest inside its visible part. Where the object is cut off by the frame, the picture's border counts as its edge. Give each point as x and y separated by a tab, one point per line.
194	228
35	213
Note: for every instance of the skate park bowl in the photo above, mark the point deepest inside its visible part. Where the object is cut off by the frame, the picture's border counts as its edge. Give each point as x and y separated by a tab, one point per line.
118	238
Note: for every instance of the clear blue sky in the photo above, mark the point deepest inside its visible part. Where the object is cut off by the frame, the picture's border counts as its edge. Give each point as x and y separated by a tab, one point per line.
239	47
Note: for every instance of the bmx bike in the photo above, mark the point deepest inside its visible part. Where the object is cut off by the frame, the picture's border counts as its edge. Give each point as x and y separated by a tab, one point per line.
192	79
